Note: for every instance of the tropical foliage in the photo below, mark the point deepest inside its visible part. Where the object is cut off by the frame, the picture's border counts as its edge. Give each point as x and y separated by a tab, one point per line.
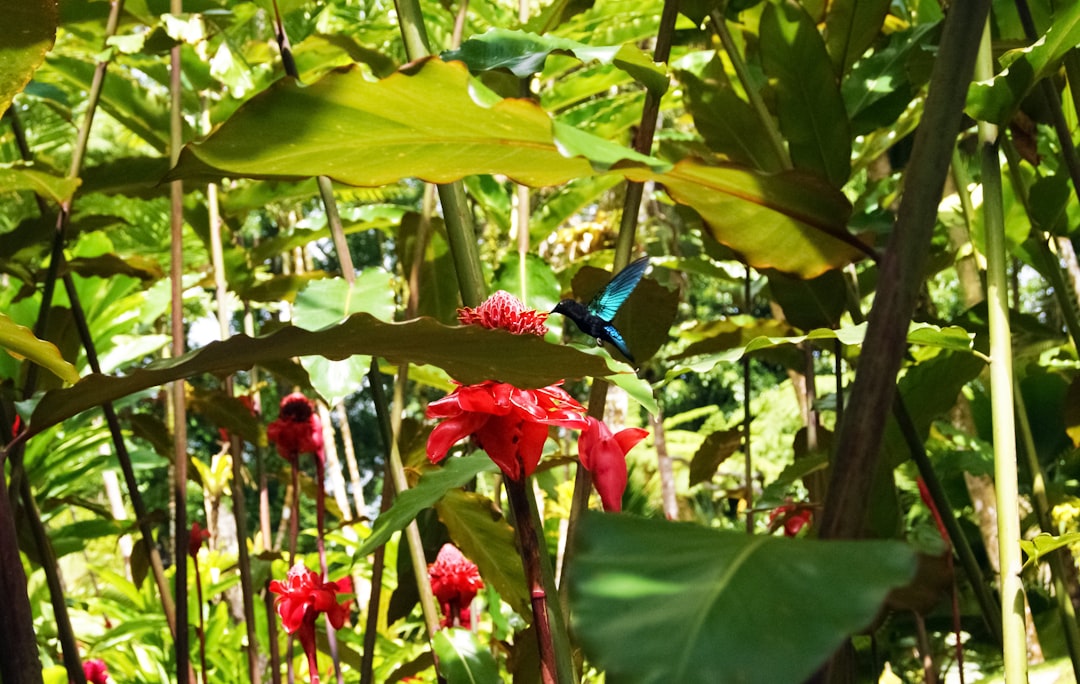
280	398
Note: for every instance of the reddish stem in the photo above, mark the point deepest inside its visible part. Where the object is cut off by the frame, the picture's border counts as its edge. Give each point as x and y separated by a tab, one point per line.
530	558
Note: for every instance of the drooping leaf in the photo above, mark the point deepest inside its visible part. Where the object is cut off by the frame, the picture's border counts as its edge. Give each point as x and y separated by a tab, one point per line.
488	540
20	342
29	32
432	487
15	177
745	608
1045	543
793	222
996	100
470	354
716	448
815	303
524	54
463	659
431	122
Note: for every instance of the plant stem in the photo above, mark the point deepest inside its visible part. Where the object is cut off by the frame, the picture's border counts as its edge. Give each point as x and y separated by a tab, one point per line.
530	558
20	662
202	625
1001	390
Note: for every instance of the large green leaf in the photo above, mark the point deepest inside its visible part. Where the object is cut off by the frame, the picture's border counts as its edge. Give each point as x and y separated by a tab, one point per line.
29	32
700	605
791	221
21	343
432	122
463	659
469	353
15	177
996	100
808	103
524	54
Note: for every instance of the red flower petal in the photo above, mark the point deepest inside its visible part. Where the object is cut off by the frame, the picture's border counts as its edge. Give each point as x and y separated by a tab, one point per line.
604	455
451	431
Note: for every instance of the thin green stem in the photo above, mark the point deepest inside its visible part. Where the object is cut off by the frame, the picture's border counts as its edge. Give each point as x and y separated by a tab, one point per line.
768	124
1001	391
1060	557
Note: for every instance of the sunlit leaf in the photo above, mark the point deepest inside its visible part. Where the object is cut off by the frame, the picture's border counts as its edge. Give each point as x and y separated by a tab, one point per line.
996	100
15	177
746	608
1044	543
463	659
20	342
29	32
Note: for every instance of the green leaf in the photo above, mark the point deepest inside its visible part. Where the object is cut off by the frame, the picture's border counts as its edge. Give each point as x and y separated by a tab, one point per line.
815	303
997	99
21	342
716	448
14	177
488	540
326	302
524	54
808	103
432	122
29	32
1044	543
433	486
463	659
799	221
721	606
850	28
471	354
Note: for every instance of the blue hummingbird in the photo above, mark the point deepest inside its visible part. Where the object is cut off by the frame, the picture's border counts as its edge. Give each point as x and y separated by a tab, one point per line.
594	318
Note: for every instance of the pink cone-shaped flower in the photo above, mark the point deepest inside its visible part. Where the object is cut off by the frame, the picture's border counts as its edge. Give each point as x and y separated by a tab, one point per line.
508	423
504	310
604	455
196	538
454	581
297	429
301	597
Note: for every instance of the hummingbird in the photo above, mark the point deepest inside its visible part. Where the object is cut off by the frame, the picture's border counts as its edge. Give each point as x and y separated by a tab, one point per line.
594	318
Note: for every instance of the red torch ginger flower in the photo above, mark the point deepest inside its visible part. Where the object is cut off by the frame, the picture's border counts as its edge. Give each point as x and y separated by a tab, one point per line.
196	539
302	596
604	455
95	671
508	423
297	429
454	581
504	310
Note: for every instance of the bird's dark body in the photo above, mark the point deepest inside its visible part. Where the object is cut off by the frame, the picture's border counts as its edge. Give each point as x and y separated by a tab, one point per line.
594	318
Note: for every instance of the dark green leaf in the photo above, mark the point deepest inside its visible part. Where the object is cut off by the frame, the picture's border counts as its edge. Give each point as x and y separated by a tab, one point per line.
745	608
463	659
815	303
716	448
850	28
808	103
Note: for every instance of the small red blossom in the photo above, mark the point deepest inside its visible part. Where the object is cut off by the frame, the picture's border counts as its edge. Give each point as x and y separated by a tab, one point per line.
95	671
792	517
196	539
505	311
297	429
604	455
454	581
508	423
301	597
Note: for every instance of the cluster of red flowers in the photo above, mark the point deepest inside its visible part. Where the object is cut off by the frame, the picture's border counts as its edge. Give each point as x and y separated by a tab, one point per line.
454	580
297	430
196	538
511	424
792	517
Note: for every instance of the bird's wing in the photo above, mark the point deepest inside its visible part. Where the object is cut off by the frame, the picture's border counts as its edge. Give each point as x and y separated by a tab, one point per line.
606	303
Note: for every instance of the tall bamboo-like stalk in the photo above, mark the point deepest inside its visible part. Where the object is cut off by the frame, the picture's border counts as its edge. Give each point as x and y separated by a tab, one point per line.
1001	391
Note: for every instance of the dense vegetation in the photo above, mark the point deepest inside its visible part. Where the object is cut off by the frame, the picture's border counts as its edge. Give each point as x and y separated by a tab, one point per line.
246	254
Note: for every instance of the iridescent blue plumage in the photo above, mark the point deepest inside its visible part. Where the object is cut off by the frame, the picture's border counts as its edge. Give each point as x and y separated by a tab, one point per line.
594	318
